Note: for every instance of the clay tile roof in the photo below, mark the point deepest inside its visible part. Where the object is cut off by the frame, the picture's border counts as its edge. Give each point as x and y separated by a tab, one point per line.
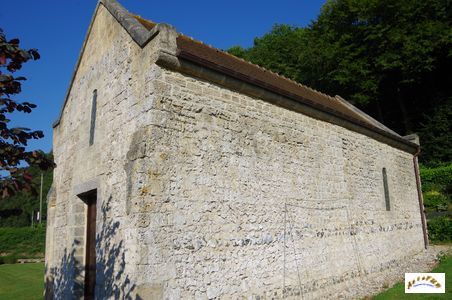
223	62
142	31
241	69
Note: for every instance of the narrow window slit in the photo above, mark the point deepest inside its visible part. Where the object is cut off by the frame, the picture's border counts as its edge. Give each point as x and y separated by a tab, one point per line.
93	118
386	188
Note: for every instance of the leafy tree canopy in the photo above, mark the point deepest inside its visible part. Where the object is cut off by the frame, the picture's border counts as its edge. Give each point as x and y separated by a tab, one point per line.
13	140
392	58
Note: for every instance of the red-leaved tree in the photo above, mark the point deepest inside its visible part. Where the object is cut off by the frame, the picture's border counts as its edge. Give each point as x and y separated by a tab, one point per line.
13	140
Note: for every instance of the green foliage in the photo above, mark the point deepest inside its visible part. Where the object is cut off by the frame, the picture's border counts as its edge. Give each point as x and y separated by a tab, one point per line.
434	200
436	133
8	259
441	257
440	229
440	202
15	218
15	211
437	178
268	50
237	51
390	57
437	188
25	242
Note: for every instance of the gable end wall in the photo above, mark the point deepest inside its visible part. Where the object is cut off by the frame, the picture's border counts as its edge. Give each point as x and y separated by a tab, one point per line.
122	73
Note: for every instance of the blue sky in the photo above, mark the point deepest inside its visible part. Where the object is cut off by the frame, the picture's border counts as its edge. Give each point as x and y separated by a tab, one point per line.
57	29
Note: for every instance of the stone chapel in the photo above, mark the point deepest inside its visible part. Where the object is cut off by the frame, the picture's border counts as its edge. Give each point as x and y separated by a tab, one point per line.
184	172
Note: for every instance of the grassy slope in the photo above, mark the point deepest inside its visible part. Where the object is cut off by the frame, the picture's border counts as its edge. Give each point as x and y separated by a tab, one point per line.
398	291
21	281
23	241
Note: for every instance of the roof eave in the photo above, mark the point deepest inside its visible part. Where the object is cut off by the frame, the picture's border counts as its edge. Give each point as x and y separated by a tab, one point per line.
170	58
317	111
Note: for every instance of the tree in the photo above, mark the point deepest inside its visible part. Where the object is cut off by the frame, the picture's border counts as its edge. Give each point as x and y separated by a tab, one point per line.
436	133
14	176
391	58
16	210
277	50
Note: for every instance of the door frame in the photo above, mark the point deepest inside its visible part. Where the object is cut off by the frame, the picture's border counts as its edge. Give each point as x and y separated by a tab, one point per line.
89	193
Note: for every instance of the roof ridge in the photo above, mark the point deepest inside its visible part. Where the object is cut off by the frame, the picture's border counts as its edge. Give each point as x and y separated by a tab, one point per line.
229	64
142	31
331	98
148	23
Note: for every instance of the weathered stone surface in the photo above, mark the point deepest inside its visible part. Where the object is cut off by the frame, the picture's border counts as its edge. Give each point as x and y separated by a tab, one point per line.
204	192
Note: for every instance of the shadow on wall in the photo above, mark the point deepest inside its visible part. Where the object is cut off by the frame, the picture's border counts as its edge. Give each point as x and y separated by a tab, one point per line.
60	284
65	280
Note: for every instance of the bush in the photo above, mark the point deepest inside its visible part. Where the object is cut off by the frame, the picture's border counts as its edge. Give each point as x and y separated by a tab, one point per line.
20	220
8	259
434	200
22	242
440	229
439	178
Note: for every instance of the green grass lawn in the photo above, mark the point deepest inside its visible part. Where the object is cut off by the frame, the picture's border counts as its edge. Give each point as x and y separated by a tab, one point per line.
398	291
26	281
21	281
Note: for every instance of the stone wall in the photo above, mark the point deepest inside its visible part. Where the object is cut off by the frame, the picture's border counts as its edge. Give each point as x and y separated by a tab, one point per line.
237	197
121	72
204	192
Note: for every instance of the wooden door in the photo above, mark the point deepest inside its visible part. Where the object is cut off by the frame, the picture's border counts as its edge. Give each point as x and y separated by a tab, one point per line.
90	250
